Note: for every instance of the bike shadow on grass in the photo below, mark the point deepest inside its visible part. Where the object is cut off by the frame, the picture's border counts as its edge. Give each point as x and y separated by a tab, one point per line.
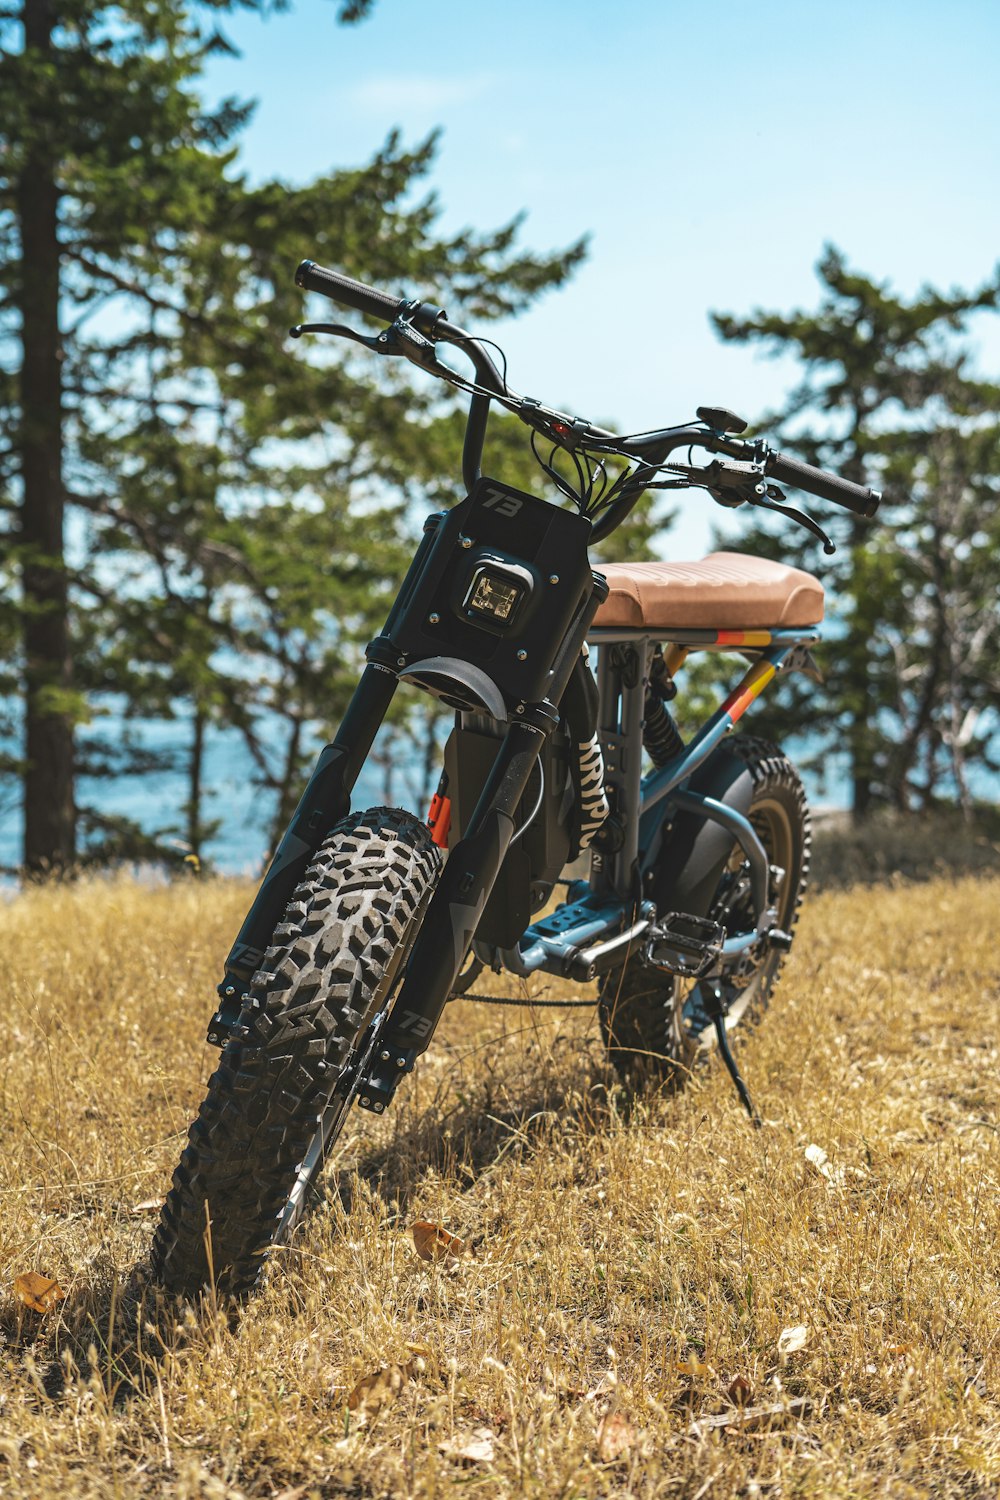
468	1118
108	1341
466	1123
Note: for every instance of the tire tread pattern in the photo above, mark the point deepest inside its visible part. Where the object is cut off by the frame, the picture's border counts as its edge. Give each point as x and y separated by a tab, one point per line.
322	980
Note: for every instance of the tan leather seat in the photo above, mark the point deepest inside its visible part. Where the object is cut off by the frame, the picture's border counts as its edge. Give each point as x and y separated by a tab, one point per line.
727	591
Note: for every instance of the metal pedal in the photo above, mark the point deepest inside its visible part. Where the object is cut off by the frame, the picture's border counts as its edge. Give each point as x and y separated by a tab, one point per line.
685	945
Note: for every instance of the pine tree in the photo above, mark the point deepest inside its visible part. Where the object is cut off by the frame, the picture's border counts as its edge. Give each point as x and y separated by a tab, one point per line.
946	648
881	376
149	288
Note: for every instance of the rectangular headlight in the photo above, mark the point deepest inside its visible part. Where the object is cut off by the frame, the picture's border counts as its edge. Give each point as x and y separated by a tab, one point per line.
493	596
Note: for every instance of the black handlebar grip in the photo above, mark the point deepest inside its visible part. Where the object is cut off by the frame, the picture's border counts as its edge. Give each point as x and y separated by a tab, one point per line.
348	292
854	497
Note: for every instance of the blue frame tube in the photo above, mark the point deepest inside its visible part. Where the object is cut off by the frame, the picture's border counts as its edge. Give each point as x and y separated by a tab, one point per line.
660	782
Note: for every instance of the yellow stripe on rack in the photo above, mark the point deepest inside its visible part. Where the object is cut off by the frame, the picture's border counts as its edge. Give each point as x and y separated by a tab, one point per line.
753	684
744	638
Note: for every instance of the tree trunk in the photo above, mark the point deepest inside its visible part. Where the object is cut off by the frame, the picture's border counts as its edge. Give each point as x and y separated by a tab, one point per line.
49	813
196	761
857	650
930	691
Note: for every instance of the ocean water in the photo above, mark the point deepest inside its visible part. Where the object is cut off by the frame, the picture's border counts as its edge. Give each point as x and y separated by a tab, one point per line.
155	800
245	809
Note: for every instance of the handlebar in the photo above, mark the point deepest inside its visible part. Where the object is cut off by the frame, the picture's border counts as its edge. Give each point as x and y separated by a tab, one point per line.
348	292
651	450
853	497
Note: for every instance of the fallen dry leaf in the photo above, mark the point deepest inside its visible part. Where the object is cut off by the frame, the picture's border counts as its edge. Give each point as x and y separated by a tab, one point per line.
694	1367
147	1206
740	1390
749	1417
422	1361
375	1390
791	1340
615	1437
431	1242
37	1292
475	1447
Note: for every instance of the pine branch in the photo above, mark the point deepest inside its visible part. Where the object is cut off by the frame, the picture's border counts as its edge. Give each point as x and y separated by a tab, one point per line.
137	398
123	283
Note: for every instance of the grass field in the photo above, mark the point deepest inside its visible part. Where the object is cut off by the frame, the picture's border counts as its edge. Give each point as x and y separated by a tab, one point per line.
654	1299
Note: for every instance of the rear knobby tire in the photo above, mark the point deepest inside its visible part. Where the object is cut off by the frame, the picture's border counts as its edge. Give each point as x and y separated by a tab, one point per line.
654	1025
326	978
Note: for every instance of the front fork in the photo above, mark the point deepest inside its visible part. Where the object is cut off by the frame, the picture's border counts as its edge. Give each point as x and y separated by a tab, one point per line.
470	873
443	940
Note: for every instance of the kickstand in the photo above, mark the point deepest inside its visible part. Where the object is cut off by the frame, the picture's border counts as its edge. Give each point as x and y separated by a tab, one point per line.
715	1010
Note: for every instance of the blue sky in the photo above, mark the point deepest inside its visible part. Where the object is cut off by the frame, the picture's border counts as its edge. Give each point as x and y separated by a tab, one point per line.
708	151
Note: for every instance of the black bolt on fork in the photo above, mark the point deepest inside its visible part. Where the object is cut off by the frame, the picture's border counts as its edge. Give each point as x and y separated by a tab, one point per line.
715	1010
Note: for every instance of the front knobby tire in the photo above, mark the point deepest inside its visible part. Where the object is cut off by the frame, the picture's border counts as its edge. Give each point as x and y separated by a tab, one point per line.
653	1025
280	1094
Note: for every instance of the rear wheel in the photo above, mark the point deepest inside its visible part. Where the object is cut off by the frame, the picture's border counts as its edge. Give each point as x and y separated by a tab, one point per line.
654	1025
283	1089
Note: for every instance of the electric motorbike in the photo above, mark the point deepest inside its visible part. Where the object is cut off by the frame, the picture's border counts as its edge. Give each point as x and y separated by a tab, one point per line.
690	855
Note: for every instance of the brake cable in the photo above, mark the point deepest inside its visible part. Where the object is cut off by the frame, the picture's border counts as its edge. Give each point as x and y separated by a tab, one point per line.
401	338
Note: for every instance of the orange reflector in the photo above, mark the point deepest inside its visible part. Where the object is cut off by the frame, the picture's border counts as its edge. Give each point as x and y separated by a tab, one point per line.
439	820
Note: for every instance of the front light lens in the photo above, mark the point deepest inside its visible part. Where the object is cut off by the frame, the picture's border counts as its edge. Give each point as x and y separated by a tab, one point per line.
494	597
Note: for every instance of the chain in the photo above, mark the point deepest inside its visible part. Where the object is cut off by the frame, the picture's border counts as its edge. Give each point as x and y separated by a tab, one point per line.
527	1000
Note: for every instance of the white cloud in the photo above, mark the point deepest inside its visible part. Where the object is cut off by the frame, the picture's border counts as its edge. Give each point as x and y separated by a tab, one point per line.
419	93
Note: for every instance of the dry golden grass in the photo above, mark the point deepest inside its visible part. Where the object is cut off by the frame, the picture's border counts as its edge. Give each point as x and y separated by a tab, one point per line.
607	1246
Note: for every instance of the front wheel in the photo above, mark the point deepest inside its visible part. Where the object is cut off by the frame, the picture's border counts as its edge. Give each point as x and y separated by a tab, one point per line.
284	1087
654	1025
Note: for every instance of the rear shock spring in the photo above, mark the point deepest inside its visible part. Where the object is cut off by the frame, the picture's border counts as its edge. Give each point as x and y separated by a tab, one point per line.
660	736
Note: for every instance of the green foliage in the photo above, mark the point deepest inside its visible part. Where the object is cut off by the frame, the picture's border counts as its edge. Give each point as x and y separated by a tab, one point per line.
887	397
243	507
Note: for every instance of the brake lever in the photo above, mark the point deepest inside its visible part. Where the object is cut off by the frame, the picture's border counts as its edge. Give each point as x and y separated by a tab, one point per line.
750	488
401	339
766	498
377	345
